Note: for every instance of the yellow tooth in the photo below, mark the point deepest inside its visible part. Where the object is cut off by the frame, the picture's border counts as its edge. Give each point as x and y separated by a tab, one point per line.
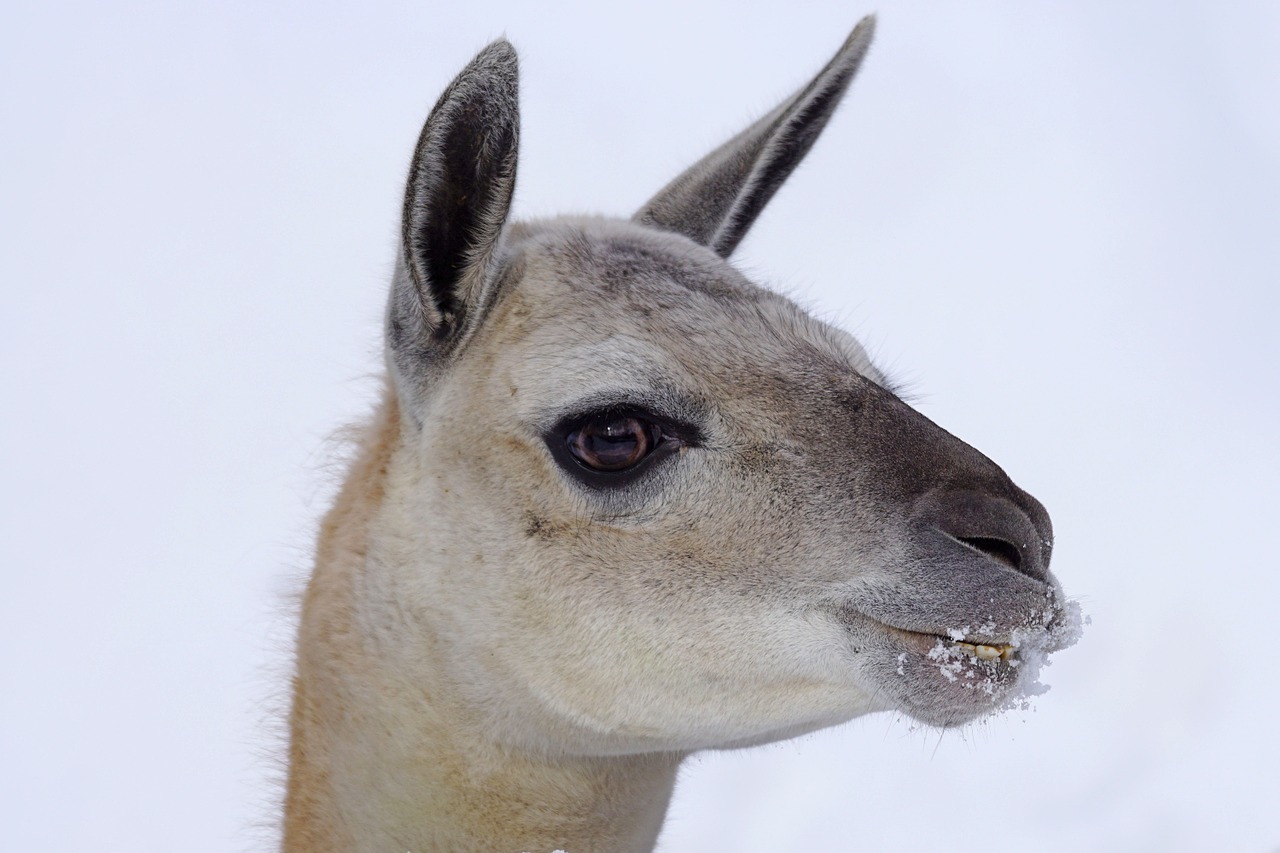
984	652
987	652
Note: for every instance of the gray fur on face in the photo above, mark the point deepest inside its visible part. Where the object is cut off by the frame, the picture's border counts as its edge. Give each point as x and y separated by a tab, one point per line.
622	504
800	500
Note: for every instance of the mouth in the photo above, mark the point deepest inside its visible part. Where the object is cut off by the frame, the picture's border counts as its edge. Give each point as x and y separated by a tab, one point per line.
950	676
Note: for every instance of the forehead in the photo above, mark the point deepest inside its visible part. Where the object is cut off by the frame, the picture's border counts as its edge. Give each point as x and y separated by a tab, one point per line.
598	304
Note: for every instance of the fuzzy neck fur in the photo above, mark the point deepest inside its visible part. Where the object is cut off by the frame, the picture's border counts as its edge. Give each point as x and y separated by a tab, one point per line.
382	763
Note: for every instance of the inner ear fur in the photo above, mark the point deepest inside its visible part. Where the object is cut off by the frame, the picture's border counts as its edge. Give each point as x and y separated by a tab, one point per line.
456	203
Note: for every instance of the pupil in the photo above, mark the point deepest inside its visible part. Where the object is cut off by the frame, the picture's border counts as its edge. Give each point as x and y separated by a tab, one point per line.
612	445
611	448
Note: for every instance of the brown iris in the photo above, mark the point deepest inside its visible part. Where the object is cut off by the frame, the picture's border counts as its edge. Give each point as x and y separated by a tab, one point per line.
613	442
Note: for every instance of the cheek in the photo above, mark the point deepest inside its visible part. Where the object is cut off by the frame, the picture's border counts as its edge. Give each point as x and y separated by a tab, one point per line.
666	665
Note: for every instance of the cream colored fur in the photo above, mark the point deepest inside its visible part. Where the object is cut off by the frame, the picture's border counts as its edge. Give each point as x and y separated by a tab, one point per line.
495	655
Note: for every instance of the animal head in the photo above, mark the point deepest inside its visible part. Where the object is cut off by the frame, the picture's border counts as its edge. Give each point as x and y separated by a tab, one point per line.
640	503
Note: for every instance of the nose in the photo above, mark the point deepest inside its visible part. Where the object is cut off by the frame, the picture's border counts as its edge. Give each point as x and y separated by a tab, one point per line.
1016	533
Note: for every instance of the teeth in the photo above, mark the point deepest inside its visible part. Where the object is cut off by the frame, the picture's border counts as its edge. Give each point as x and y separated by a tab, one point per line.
982	652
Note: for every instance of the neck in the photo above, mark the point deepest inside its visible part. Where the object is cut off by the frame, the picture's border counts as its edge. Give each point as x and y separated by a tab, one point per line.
382	762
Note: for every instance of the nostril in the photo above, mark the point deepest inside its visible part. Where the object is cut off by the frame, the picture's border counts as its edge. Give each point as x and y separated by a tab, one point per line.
997	549
992	525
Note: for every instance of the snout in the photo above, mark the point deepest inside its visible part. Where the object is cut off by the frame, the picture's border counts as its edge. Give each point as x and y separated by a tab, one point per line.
1012	529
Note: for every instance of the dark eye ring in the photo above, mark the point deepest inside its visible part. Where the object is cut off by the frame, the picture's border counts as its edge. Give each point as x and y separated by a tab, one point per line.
612	443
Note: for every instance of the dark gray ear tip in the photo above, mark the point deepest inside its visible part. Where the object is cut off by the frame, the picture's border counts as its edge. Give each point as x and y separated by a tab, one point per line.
499	57
855	46
490	83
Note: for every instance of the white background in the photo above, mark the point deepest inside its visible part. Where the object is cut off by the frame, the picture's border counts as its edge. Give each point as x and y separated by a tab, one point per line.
1058	222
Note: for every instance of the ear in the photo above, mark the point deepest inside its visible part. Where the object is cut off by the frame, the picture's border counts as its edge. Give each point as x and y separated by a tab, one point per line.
455	207
715	201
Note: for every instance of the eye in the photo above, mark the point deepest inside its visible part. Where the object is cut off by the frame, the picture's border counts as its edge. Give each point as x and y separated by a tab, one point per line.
611	447
612	443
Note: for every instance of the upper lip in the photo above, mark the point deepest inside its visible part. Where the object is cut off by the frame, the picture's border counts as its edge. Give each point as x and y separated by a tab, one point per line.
964	638
924	641
931	644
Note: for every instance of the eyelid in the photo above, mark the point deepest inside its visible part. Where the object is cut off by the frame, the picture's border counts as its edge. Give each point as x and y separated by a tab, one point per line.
669	427
677	416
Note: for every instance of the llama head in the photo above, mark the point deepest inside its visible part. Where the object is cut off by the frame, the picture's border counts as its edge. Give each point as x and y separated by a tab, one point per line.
639	503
